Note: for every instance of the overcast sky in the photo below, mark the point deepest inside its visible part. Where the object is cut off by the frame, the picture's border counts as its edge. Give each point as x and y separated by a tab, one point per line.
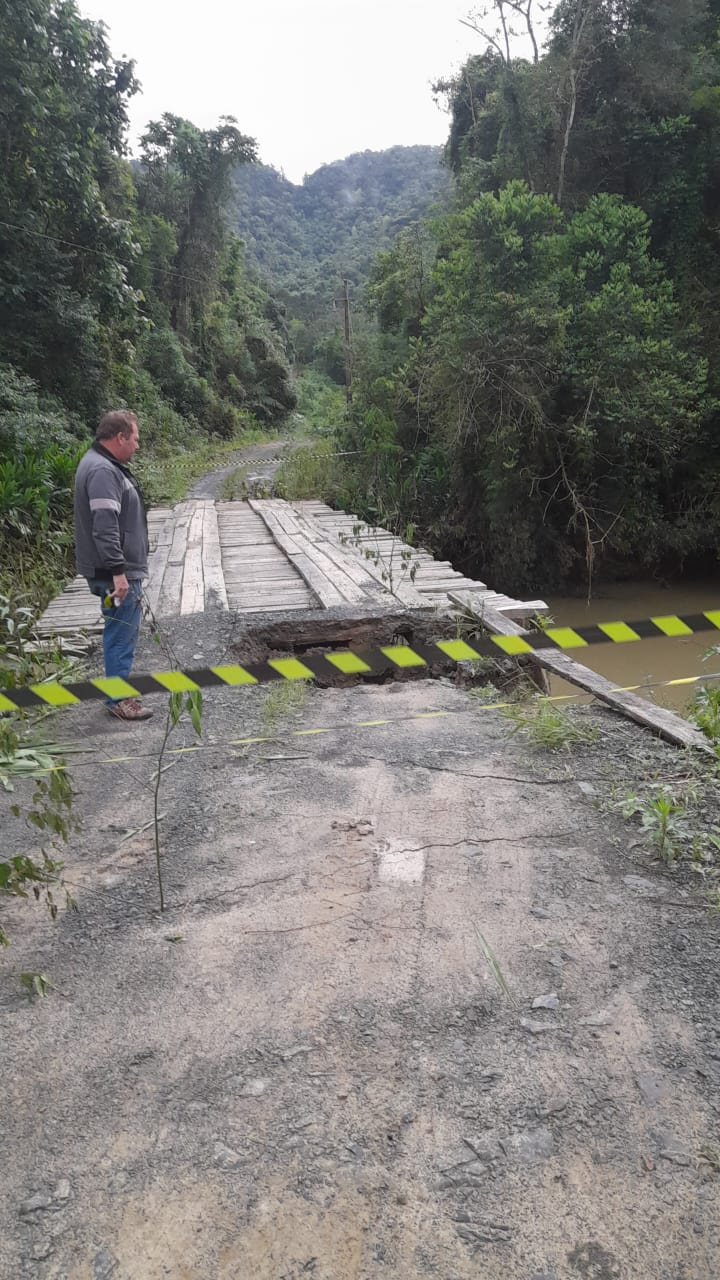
311	80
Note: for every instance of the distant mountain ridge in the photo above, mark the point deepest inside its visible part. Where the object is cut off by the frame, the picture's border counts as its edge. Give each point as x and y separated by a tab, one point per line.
306	238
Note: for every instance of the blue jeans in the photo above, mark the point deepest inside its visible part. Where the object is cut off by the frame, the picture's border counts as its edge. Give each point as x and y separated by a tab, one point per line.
122	627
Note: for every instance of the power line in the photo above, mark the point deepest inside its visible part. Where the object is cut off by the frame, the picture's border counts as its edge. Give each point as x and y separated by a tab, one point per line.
100	253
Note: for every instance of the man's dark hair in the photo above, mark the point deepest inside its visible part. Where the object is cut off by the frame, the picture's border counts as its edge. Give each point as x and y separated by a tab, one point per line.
117	422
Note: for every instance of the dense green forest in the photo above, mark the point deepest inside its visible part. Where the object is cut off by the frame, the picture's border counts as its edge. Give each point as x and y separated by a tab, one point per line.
119	284
304	240
542	398
536	365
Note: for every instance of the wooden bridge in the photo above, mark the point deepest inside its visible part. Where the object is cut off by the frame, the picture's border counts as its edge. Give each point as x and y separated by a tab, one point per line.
268	556
273	556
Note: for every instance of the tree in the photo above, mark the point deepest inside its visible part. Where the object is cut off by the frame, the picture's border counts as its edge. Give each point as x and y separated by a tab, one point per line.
398	285
65	300
185	179
493	22
554	373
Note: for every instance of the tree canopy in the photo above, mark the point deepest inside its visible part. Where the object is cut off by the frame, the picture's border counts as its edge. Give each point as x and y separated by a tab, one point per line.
120	282
550	395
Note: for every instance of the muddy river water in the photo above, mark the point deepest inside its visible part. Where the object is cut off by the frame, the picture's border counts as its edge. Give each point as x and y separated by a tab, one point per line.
645	661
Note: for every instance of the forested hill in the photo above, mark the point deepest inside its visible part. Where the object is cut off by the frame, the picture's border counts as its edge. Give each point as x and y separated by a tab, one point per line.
306	238
543	400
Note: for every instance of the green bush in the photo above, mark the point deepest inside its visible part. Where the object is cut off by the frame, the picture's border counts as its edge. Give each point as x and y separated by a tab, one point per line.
313	472
30	417
161	353
320	401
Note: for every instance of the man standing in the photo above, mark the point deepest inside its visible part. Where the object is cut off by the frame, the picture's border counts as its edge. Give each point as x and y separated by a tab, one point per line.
111	545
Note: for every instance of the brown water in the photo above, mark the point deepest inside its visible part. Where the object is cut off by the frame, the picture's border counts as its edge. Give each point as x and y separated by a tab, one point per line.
644	661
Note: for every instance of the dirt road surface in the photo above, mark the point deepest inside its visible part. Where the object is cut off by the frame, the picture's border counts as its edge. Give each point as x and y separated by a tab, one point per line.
420	1006
259	460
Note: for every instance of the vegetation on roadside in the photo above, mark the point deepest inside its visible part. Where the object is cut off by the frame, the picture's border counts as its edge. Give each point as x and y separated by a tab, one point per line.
547	726
282	700
310	471
167	475
677	816
705	711
43	799
540	399
33	773
121	286
322	403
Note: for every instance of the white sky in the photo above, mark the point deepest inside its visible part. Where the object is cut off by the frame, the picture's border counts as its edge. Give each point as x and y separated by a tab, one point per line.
311	80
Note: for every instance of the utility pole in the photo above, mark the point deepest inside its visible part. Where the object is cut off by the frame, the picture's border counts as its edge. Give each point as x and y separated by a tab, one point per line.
348	344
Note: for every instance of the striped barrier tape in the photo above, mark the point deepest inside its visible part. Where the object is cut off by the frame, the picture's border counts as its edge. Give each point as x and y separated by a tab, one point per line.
367	662
303	453
317	731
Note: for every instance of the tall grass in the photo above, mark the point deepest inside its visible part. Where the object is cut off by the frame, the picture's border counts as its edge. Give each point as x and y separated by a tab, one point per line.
311	472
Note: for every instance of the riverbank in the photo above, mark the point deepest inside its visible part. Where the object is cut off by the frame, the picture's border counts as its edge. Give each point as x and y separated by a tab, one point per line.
423	1004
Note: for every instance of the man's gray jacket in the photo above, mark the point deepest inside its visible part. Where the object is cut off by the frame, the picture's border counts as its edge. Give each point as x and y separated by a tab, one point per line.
110	526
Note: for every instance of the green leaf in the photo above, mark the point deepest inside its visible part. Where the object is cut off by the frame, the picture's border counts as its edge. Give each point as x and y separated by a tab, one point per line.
35	984
194	707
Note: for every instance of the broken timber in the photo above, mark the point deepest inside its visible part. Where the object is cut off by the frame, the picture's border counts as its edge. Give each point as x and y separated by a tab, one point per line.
315	575
664	723
268	556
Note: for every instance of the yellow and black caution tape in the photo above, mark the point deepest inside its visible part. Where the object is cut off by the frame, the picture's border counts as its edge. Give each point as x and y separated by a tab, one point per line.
364	663
225	745
304	453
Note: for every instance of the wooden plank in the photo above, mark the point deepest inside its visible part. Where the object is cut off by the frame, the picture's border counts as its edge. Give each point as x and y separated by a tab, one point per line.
280	591
326	592
273	604
426	569
387	545
277	567
349	590
233	533
403	588
271	571
243	525
76	609
242	519
400	586
355	570
275	598
453	584
522	608
665	723
192	596
157	564
478	600
213	575
170	591
344	568
276	587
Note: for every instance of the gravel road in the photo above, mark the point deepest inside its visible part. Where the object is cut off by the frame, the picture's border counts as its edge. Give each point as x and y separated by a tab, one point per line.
421	1005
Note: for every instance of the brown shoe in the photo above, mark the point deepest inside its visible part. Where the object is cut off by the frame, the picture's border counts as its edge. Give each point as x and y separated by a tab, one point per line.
130	709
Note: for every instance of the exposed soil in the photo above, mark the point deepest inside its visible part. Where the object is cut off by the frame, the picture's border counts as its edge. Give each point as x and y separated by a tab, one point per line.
324	1059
